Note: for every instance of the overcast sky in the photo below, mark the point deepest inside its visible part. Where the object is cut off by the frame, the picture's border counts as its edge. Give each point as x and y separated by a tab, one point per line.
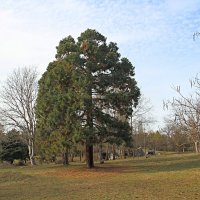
155	35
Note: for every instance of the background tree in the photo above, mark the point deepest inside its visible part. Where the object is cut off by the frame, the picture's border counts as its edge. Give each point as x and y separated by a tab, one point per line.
155	140
17	110
179	139
59	103
1	132
176	138
2	136
13	147
142	113
141	118
185	110
111	87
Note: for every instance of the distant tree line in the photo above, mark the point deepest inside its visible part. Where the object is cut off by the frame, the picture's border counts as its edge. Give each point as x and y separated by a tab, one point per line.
163	140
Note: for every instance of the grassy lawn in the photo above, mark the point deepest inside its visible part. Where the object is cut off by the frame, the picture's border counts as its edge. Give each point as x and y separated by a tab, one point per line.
169	176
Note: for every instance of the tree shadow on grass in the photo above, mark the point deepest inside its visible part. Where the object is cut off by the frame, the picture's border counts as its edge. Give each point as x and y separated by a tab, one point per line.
154	164
150	165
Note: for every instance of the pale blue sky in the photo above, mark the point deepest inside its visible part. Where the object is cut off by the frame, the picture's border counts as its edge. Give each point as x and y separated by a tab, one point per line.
156	35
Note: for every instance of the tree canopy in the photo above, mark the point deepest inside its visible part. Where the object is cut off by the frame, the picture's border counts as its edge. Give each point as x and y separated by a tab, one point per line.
59	104
107	90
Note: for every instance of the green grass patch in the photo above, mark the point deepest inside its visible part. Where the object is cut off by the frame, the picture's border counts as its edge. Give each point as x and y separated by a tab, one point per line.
168	176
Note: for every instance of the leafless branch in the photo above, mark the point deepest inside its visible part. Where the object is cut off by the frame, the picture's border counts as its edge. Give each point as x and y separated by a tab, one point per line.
18	96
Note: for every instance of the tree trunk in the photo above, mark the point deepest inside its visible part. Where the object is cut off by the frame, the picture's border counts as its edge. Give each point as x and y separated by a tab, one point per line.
89	142
124	153
80	155
101	154
89	147
107	152
121	153
89	156
31	151
72	156
66	156
114	152
196	146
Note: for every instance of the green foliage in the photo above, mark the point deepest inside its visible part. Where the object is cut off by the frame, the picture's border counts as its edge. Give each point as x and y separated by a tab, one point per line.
88	92
51	146
154	140
13	147
2	136
111	87
59	104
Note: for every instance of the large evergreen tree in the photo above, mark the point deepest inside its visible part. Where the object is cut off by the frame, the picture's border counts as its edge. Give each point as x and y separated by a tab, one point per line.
58	108
111	89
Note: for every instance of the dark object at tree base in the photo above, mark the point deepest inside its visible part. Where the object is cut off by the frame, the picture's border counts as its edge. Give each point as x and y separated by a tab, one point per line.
150	153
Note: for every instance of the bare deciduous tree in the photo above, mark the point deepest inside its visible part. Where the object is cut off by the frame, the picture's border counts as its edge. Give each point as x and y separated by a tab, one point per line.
186	112
141	118
177	137
17	110
142	113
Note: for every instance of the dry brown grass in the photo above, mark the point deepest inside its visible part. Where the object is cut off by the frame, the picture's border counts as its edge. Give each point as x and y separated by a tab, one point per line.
171	176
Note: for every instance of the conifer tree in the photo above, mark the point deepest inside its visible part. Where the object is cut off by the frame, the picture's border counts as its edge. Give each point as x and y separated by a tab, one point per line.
58	107
108	95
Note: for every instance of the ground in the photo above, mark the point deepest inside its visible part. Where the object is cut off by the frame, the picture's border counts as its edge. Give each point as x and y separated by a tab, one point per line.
166	176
